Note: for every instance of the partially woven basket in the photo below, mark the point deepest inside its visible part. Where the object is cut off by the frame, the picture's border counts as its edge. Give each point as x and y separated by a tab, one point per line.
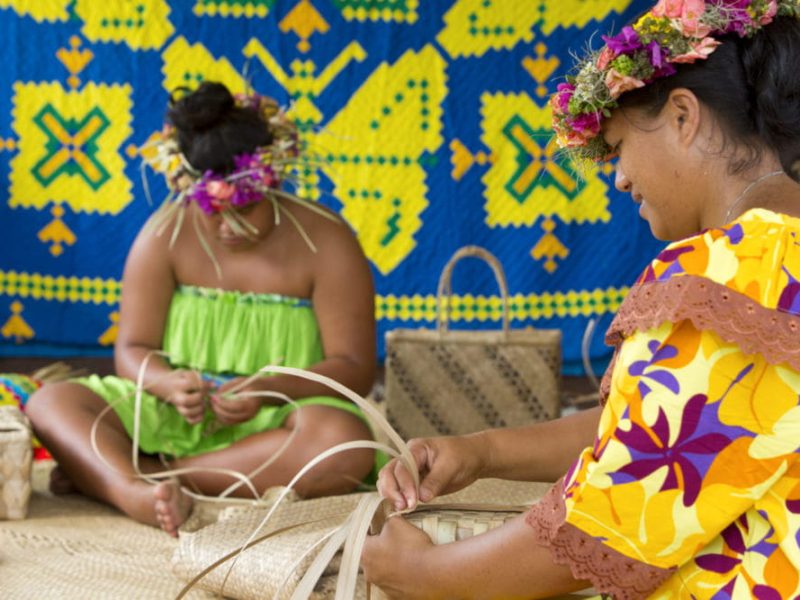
16	455
273	569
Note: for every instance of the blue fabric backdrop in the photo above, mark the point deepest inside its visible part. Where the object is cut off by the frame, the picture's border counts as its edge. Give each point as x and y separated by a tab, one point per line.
431	117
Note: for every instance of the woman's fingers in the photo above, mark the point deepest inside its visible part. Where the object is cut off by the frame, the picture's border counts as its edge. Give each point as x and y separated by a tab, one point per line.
388	487
190	405
406	485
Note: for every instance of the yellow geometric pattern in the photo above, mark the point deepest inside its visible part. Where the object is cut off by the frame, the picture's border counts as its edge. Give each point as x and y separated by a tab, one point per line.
306	86
69	147
16	326
549	247
473	27
86	290
109	336
187	65
143	24
57	233
303	83
407	13
74	60
462	159
223	9
541	68
375	171
304	20
574	13
40	10
528	178
522	307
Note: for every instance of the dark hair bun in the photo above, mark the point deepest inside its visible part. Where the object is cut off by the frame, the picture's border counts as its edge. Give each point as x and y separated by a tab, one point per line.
203	108
212	130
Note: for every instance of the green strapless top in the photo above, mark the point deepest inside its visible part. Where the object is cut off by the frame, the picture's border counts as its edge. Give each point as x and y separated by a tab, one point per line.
224	331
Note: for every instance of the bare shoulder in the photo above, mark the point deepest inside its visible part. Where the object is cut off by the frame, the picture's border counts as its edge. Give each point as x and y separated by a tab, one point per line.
151	251
331	235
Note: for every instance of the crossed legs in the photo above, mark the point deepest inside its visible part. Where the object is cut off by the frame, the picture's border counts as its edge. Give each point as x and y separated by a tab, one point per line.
63	414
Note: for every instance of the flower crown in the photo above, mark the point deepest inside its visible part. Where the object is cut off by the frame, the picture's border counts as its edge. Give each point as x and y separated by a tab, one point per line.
672	32
256	176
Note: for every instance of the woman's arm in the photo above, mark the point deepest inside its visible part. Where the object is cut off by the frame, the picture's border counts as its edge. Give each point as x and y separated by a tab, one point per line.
501	563
148	284
537	452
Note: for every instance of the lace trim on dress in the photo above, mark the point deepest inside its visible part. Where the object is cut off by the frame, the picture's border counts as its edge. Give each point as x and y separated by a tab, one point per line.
736	318
587	557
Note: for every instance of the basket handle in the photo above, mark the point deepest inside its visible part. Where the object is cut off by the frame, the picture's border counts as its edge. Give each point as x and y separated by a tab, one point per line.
445	288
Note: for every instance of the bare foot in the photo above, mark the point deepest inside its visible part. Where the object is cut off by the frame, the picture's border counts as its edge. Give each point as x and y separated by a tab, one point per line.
172	506
60	483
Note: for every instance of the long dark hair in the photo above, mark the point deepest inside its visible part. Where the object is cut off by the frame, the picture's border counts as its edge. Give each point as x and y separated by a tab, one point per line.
753	87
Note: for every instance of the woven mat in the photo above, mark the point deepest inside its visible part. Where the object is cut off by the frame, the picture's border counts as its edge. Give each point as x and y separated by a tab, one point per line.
72	547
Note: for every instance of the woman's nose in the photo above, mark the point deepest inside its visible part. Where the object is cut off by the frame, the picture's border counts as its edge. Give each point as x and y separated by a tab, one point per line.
621	181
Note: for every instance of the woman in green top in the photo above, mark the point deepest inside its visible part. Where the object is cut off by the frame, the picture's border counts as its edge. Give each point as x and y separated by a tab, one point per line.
229	277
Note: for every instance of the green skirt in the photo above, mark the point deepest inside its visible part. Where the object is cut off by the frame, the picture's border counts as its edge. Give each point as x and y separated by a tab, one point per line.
222	334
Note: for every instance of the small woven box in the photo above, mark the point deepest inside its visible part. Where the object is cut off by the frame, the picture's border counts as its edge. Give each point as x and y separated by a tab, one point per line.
16	454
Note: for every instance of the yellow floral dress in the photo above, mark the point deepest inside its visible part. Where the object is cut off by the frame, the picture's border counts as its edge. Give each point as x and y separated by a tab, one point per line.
692	488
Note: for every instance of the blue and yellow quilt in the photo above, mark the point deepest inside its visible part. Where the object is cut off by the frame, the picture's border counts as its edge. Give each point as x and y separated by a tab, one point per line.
431	119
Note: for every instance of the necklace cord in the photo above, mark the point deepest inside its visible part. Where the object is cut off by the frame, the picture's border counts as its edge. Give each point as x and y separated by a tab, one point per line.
746	190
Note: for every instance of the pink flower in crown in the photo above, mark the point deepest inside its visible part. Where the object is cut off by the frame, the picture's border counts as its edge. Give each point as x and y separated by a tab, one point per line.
560	100
772	10
688	12
587	126
699	51
606	56
668	8
573	139
222	190
618	83
690	19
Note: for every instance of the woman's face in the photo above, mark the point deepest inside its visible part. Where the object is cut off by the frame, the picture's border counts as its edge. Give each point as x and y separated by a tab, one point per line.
652	169
259	214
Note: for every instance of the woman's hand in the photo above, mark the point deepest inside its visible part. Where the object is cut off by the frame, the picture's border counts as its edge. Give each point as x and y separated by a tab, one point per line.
446	464
231	409
187	391
396	562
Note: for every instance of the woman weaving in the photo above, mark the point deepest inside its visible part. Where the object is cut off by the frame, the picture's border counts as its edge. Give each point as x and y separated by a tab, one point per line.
687	480
231	275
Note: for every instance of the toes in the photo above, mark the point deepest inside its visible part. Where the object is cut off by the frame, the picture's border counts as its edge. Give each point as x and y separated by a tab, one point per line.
171	507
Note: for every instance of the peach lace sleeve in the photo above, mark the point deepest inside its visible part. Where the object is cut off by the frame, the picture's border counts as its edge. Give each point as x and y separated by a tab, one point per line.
735	317
587	557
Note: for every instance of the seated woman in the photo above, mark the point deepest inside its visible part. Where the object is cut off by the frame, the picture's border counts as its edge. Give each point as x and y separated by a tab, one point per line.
687	481
249	276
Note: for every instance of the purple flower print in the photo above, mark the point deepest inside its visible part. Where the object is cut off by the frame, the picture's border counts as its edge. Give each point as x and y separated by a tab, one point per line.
640	368
682	474
790	296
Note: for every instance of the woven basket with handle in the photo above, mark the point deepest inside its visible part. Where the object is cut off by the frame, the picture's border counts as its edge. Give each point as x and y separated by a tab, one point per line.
447	382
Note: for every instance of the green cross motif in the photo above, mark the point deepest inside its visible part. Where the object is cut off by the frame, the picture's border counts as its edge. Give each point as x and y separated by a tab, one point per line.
71	147
538	166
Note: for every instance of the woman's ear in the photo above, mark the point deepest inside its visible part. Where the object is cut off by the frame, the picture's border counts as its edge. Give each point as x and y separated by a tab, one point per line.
683	113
